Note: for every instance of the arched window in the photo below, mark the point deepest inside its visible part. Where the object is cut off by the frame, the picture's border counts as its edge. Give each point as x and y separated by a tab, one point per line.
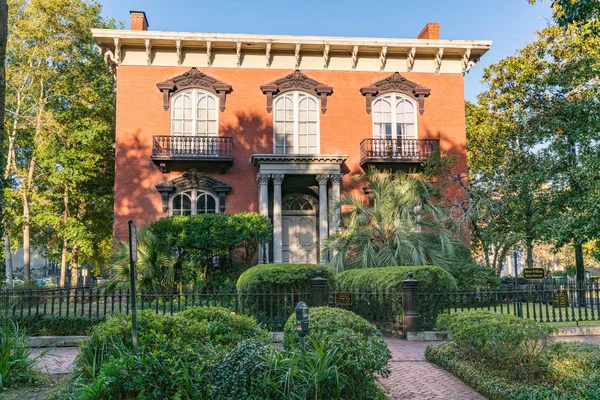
296	124
194	113
192	202
394	117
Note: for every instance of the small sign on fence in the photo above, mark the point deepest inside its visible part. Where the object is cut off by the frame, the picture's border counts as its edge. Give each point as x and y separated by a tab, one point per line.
561	299
343	298
534	273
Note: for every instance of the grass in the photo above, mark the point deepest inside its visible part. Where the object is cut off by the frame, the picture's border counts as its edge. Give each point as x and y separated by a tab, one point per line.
548	316
45	389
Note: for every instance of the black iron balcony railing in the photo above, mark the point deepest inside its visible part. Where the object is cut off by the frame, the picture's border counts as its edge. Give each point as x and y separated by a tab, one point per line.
192	148
397	150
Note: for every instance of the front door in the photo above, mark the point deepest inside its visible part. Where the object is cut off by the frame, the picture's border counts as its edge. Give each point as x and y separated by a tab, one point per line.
299	239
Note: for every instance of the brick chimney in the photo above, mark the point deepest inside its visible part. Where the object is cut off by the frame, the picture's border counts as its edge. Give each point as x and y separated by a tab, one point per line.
431	31
139	22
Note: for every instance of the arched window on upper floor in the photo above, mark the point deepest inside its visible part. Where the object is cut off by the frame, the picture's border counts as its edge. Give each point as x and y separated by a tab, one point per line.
394	117
296	123
194	113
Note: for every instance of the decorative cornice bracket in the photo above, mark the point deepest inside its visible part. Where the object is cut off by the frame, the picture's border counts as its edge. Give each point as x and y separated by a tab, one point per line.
395	83
194	79
438	59
296	81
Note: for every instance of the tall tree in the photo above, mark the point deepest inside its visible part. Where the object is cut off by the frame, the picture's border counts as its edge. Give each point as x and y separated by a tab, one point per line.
3	37
60	145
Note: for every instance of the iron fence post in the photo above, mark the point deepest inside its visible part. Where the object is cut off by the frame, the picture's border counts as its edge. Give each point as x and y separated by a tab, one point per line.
410	312
318	284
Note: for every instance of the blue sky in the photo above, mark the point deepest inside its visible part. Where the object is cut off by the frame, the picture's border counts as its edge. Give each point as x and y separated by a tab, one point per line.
509	23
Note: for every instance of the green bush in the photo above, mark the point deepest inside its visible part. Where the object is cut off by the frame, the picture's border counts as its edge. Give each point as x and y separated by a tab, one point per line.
16	363
520	347
357	343
575	374
470	275
55	325
288	277
390	279
175	359
196	239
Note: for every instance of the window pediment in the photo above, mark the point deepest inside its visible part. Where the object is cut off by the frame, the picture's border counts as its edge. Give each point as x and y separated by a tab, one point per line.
296	81
194	79
399	84
193	179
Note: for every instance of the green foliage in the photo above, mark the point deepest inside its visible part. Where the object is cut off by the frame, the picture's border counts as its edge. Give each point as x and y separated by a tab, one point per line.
432	279
16	365
177	355
470	275
403	226
288	277
157	268
580	14
574	374
357	342
54	325
518	347
196	239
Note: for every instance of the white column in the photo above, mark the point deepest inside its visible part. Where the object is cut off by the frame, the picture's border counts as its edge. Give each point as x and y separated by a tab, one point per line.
335	198
323	234
263	205
277	229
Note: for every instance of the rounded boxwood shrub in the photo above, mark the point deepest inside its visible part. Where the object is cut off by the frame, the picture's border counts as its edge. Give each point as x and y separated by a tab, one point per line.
356	341
501	341
390	279
289	277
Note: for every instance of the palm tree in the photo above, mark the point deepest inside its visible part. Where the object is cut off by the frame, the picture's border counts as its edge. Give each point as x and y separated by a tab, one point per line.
158	270
402	226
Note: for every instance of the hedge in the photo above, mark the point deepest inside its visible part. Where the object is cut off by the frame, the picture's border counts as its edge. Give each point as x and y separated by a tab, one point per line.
575	375
289	277
390	279
356	343
55	325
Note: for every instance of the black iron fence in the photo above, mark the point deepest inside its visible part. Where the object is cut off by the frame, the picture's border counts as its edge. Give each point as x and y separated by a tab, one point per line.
548	303
394	313
407	150
192	147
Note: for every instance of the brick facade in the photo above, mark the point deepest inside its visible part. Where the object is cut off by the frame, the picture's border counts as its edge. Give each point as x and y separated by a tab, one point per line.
140	115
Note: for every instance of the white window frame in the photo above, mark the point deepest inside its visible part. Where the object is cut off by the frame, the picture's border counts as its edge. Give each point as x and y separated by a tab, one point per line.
195	95
392	98
195	194
296	104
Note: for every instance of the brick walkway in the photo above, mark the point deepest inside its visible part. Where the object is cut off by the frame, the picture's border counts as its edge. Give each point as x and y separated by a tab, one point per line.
414	378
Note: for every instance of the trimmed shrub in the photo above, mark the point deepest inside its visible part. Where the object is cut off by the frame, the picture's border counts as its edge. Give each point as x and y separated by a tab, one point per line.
575	375
357	342
177	355
54	325
501	341
470	275
390	279
288	277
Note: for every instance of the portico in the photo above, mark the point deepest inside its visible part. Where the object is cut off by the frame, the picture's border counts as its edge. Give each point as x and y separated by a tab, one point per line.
294	234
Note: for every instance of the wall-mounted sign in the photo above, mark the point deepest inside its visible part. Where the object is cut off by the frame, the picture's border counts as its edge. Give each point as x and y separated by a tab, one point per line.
343	299
534	273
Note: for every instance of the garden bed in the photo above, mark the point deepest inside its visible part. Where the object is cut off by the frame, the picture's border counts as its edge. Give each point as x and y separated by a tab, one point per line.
574	374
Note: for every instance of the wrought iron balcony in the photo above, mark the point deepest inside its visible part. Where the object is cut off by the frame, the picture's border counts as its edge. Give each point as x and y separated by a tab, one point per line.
390	151
217	149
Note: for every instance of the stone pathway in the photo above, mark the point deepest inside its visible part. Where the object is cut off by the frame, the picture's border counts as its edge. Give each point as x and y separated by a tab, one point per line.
58	360
414	378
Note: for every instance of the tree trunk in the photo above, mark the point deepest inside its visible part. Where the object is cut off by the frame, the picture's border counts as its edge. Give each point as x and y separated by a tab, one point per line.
579	265
529	246
63	264
26	240
3	39
63	257
75	265
7	258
